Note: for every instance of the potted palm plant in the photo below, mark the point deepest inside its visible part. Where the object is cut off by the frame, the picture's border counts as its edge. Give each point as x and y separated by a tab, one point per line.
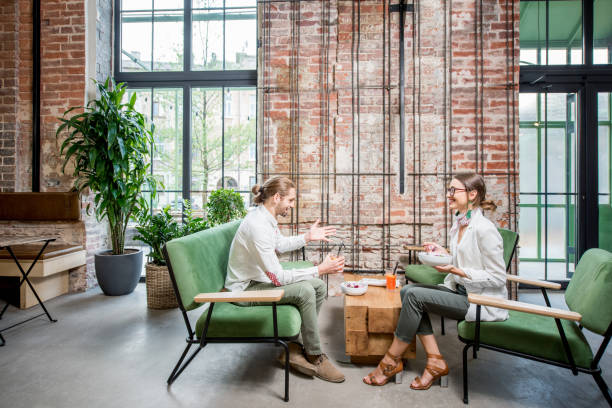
109	143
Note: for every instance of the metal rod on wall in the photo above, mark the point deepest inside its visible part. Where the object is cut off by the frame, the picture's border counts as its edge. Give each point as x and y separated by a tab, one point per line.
36	98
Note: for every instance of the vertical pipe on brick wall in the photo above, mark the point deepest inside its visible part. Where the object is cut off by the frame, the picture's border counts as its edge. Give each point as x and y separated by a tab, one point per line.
297	114
384	152
389	129
482	136
353	135
417	14
358	136
401	97
36	96
414	113
514	122
450	89
445	180
476	84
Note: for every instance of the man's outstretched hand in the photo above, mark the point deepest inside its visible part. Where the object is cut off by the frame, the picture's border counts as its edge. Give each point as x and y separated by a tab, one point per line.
316	233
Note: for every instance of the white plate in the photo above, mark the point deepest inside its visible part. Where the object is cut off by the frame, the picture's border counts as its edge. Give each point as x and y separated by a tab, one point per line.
374	282
363	287
432	259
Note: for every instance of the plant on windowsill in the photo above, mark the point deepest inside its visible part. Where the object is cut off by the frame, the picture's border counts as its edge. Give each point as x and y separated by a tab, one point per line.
155	230
109	145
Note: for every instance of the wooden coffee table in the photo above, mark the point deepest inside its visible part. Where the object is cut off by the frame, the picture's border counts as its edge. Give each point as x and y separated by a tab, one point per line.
370	321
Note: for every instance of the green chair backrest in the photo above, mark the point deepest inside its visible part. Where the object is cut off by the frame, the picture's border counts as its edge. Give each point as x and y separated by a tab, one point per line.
588	293
199	261
510	239
605	227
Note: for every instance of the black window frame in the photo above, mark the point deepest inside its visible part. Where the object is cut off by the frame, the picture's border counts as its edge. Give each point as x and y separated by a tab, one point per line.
187	80
586	80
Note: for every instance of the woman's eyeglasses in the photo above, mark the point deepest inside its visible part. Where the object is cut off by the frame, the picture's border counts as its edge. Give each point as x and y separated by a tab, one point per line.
452	190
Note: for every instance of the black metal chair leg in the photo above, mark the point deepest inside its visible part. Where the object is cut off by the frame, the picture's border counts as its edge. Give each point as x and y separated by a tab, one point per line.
286	347
2	339
465	374
176	374
603	387
442	325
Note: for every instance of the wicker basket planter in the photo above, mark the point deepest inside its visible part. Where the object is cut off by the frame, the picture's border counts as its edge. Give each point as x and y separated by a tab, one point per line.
160	294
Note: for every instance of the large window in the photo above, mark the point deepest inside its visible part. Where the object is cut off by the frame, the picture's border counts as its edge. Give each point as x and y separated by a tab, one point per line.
192	65
564	115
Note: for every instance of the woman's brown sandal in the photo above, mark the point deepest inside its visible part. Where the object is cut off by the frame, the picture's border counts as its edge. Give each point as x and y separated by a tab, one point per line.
434	371
388	371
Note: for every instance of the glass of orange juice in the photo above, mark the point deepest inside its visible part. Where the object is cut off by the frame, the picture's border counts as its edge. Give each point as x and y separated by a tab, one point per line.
390	281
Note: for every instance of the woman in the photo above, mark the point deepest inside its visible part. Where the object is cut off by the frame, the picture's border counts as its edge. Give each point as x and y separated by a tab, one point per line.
478	267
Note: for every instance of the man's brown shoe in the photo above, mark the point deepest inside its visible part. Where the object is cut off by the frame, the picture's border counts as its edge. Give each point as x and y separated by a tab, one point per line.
297	360
325	369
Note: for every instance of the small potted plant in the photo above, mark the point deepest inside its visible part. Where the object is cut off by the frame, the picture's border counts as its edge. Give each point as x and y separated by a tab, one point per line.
224	205
155	230
109	144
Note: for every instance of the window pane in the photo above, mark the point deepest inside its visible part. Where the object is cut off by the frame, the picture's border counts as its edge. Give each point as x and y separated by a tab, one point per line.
136	5
528	160
168	41
168	137
528	56
239	137
169	4
556	233
528	229
556	107
240	39
602	31
564	29
206	139
136	41
207	4
207	38
603	106
528	107
556	163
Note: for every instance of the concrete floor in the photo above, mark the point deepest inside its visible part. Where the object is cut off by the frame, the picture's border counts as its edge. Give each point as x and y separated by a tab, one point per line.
113	351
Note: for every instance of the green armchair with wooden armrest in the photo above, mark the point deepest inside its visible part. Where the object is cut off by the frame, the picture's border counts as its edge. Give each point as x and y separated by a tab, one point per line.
548	335
197	264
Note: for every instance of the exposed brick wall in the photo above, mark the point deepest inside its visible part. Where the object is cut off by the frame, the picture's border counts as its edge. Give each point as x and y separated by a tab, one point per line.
8	93
63	85
460	115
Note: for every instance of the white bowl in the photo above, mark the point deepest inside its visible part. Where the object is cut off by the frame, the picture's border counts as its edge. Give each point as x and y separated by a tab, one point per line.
433	259
360	288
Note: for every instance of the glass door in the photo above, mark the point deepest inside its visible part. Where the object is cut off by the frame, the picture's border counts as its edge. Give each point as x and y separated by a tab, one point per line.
547	159
604	148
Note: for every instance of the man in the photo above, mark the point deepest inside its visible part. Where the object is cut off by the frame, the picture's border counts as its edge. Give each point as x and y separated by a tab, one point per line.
254	265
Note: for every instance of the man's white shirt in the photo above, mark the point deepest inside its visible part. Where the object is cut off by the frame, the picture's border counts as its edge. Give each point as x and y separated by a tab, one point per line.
253	254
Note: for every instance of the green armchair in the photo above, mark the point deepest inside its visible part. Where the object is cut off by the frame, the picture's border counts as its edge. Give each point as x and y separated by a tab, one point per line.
430	276
197	264
547	335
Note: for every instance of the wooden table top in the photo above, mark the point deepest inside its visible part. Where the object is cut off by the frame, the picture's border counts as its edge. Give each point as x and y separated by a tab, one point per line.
378	297
10	241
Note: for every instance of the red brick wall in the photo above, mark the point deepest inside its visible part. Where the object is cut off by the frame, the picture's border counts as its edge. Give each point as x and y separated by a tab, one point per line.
460	115
63	85
8	93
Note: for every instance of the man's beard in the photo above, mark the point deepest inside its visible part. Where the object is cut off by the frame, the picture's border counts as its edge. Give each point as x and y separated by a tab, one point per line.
285	213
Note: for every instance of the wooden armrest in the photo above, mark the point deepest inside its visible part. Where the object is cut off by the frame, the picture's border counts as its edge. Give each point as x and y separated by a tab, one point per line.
523	307
532	282
273	295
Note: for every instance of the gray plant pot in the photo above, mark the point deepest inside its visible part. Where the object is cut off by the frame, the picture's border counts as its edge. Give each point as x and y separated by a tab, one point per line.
118	274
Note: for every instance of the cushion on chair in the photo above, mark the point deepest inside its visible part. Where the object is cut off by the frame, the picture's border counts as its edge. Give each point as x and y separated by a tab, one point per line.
230	320
588	293
297	265
424	274
532	334
199	261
